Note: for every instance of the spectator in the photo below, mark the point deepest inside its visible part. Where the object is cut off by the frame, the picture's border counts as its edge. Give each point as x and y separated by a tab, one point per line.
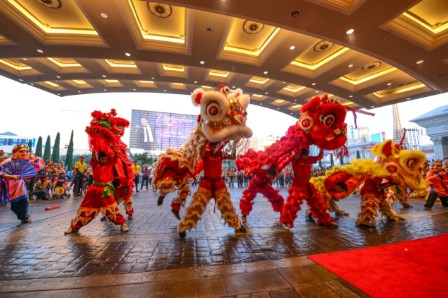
145	179
59	190
437	182
2	156
80	171
136	169
42	188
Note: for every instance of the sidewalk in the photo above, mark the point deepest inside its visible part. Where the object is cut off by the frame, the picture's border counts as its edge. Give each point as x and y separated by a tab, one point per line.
38	260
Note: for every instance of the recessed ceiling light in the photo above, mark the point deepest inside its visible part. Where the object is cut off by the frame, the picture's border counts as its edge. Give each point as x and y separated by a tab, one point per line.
202	62
59	94
266	93
350	65
419	62
128	54
32	84
389	84
195	82
21	80
278	108
233	87
134	89
79	91
24	59
104	76
152	78
104	15
313	84
350	96
265	72
408	98
164	90
58	77
284	82
292	47
350	31
295	14
372	107
40	51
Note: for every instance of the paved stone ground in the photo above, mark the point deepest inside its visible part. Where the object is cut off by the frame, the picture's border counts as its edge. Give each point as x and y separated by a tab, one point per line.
150	260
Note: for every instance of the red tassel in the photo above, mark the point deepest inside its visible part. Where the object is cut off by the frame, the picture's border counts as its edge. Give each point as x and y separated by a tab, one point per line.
51	207
342	151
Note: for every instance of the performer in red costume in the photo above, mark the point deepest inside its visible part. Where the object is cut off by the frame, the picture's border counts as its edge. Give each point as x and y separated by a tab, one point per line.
321	123
100	196
211	186
261	183
302	189
170	172
123	170
111	171
221	124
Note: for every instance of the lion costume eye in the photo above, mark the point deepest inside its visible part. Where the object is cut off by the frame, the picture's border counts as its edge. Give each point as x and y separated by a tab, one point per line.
119	126
306	123
411	163
327	120
213	109
391	167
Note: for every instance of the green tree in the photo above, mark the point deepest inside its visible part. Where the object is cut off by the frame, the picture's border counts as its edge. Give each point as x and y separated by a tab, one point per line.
57	143
30	146
143	158
47	150
39	147
69	156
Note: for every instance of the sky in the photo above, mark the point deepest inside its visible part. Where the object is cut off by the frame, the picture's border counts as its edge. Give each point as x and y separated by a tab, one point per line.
31	112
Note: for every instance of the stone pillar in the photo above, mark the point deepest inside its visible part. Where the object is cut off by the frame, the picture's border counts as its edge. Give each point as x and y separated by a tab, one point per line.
438	147
444	147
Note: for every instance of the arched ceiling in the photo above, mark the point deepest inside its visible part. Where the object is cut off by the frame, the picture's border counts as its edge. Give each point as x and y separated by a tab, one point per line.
281	52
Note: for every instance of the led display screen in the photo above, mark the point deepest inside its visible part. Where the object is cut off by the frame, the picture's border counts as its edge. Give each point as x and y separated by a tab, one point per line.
158	131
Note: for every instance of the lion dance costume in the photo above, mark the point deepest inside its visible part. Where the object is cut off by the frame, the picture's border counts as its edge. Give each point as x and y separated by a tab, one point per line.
112	174
221	125
394	166
322	124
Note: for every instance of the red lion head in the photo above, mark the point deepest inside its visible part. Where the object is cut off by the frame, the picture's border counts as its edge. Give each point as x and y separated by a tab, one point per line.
323	122
105	131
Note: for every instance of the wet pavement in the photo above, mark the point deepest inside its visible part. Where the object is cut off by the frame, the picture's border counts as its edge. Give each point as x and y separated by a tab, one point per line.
150	260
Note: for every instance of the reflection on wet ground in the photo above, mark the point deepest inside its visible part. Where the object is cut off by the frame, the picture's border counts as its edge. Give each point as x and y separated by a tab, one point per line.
40	250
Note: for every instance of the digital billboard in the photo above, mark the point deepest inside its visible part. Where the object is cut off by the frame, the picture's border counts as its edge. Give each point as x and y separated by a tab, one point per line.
378	137
158	131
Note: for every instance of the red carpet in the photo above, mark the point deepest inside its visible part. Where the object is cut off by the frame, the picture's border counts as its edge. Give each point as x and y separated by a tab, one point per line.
416	268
